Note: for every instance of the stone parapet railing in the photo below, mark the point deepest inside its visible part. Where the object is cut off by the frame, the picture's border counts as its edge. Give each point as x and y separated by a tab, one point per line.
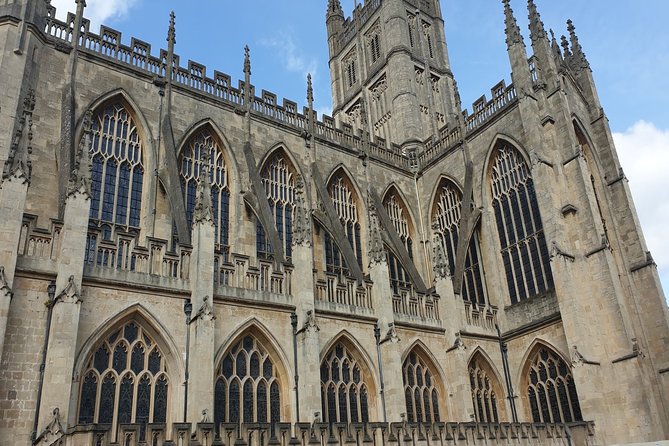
342	290
37	242
414	306
481	316
304	434
239	272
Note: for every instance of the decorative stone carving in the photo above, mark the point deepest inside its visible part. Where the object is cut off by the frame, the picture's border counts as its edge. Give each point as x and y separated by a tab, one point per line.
537	30
557	252
459	344
379	88
578	61
391	334
577	359
302	219
206	311
69	295
53	431
310	324
440	264
203	211
80	177
513	35
205	416
377	252
19	163
5	289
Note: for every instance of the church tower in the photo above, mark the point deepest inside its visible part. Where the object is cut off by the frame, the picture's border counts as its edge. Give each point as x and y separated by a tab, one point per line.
401	38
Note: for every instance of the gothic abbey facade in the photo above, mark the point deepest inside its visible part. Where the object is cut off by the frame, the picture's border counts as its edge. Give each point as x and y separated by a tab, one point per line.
184	260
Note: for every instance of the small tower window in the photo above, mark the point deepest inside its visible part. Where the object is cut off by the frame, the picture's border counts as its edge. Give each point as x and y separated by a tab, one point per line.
375	47
351	77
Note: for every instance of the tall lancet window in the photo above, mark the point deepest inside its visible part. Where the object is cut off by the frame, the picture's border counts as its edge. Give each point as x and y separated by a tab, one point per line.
247	385
398	214
346	205
344	393
278	178
551	391
420	392
485	391
192	159
446	212
117	173
125	381
524	250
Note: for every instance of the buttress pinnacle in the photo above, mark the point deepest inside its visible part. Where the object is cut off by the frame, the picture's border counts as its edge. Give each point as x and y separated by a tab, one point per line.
537	30
579	60
171	32
513	35
334	8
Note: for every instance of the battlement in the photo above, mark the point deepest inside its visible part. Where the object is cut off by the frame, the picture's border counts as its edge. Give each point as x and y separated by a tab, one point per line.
193	78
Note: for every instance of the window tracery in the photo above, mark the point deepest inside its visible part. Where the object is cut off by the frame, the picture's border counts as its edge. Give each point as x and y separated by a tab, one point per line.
420	392
192	161
117	172
278	178
551	390
344	201
484	395
125	380
344	393
447	213
524	250
247	385
399	278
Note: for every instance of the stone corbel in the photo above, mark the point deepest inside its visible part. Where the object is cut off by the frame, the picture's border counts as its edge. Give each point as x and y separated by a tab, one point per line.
69	295
557	252
636	353
53	431
459	344
604	245
536	160
310	324
206	312
5	289
391	335
577	359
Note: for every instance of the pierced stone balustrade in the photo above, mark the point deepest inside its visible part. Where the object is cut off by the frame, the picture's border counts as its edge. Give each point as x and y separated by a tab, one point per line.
481	316
342	291
410	306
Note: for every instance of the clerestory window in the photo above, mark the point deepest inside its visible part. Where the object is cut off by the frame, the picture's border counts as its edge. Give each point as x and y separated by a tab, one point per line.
344	394
394	206
420	392
345	203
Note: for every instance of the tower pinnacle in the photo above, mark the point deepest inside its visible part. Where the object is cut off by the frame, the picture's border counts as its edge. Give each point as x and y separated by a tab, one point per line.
537	30
579	60
513	35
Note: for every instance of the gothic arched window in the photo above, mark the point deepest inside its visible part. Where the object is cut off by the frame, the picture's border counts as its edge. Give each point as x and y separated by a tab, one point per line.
117	173
524	251
344	394
203	146
278	178
399	216
551	391
447	213
247	385
345	203
125	380
420	392
484	387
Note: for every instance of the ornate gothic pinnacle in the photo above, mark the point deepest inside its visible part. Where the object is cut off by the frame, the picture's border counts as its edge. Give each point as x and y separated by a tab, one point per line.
171	32
513	35
80	177
203	211
537	30
565	48
310	92
247	61
555	47
302	219
377	252
18	162
579	59
334	8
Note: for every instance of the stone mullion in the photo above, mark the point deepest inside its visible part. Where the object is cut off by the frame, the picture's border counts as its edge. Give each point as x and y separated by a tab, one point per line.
508	250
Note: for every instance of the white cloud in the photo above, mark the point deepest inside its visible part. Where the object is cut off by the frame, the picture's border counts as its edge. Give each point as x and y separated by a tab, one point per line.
99	12
644	154
288	51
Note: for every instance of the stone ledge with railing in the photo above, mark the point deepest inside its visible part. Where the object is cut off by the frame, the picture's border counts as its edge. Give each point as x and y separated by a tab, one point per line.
412	307
272	282
304	434
481	316
343	294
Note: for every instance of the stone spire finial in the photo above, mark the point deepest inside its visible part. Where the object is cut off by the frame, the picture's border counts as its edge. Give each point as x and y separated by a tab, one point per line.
171	32
247	61
203	211
537	30
513	35
334	8
565	49
440	264
80	177
310	92
377	252
302	219
555	47
579	60
18	162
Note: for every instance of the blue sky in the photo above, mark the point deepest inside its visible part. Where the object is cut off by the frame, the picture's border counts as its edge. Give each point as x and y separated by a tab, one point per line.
627	43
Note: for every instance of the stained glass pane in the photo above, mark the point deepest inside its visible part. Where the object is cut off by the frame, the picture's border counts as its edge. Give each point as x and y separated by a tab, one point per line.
89	391
435	406
353	404
107	397
120	358
275	403
154	361
233	409
125	398
101	359
226	367
268	370
248	402
255	365
137	359
143	400
261	406
160	401
219	402
240	364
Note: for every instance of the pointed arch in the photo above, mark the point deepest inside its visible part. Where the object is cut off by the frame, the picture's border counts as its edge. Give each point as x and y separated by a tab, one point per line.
446	216
126	372
204	142
278	174
523	245
252	383
122	152
411	215
348	381
400	217
548	390
350	206
486	388
424	385
282	147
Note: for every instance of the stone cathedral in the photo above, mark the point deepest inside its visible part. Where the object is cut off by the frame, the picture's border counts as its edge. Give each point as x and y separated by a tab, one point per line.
186	260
